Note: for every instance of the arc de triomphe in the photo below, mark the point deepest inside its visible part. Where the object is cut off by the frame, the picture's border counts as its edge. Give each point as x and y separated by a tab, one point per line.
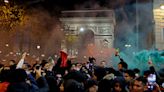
96	26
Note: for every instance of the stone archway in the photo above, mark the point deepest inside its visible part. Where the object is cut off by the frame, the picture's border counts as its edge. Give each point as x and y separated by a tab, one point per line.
86	39
98	33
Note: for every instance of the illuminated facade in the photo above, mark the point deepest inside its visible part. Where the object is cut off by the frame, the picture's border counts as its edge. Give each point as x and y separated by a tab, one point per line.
96	27
159	24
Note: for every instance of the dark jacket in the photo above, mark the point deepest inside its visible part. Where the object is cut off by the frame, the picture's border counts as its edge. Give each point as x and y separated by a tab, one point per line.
19	87
25	87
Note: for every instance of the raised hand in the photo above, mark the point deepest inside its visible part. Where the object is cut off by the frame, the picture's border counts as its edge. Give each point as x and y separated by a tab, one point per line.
24	55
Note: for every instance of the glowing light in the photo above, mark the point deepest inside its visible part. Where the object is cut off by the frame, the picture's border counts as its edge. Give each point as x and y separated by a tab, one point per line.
76	52
0	52
18	53
127	45
56	56
7	45
162	7
85	56
3	60
81	29
11	53
42	55
6	1
38	47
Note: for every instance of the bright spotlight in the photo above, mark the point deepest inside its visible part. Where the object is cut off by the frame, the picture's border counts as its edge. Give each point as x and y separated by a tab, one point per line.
81	29
7	45
127	45
38	47
6	1
162	7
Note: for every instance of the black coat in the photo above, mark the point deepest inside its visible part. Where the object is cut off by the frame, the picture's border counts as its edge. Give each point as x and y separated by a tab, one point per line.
25	87
20	87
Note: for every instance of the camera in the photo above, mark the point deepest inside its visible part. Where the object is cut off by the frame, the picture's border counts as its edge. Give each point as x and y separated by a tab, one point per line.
151	81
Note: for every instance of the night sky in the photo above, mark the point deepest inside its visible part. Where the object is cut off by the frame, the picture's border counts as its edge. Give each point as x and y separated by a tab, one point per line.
71	4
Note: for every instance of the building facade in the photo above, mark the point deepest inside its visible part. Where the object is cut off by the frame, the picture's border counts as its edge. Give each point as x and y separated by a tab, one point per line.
159	24
88	32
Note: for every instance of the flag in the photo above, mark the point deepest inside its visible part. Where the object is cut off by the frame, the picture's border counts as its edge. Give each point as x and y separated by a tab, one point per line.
63	59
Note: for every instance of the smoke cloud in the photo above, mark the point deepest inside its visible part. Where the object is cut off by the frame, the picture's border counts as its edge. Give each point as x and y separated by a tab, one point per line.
134	29
40	35
133	32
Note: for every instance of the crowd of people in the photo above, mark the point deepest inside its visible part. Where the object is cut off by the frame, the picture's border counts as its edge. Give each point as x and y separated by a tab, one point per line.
48	76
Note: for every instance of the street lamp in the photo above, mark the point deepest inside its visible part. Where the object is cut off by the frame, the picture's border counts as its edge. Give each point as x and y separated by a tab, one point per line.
42	55
7	45
38	47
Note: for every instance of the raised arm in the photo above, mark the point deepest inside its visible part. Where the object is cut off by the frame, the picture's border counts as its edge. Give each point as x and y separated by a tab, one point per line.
21	61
